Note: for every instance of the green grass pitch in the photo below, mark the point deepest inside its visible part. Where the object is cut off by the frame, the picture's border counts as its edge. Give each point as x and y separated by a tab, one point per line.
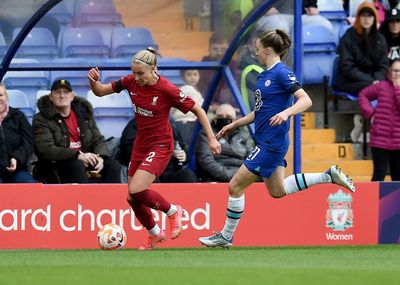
345	265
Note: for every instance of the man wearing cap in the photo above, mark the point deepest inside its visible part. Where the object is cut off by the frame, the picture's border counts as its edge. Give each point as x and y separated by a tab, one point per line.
67	141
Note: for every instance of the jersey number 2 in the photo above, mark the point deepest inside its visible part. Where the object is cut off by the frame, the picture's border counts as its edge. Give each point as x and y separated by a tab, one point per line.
151	156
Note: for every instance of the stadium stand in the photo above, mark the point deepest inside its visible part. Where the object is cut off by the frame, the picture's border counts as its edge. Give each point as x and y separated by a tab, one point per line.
83	42
19	100
334	12
39	94
63	12
127	41
27	81
78	4
39	44
319	48
77	78
98	15
111	112
3	46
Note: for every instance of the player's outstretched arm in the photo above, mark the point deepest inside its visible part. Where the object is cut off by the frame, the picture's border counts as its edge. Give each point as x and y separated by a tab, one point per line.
303	103
98	88
201	115
228	129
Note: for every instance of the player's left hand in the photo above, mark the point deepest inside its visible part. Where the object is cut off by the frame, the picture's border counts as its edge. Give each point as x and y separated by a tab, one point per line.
215	146
278	119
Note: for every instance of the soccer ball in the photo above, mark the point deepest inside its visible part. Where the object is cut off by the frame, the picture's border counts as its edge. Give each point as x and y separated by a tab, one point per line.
111	236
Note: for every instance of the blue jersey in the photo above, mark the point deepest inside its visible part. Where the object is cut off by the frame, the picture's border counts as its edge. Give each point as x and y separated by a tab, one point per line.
274	93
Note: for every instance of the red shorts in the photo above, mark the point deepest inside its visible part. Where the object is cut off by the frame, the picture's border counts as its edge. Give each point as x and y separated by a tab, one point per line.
153	160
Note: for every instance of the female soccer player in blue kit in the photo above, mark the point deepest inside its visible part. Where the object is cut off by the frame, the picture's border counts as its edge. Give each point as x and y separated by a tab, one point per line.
274	92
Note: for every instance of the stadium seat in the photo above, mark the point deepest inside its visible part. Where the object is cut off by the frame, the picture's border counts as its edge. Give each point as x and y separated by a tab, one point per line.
332	83
63	12
83	42
3	46
127	41
80	3
39	94
77	78
111	112
18	99
39	44
319	49
27	81
98	15
173	75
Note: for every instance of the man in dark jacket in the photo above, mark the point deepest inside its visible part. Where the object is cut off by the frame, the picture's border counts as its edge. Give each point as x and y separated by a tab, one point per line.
235	148
68	141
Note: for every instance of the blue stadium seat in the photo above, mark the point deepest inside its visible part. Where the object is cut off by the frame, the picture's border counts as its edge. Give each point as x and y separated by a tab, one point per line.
39	44
39	94
319	49
111	112
80	3
114	75
127	41
63	12
18	99
97	15
332	83
77	78
83	42
3	46
173	76
27	81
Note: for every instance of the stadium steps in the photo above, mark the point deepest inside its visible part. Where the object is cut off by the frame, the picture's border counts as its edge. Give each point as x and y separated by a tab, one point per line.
319	151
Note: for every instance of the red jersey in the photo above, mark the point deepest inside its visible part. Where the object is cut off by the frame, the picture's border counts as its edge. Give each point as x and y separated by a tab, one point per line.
74	132
152	105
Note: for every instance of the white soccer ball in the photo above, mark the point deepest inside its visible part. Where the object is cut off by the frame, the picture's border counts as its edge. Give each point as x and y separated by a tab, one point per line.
111	236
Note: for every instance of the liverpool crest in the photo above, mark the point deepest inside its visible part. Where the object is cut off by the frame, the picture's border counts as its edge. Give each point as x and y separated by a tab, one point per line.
339	216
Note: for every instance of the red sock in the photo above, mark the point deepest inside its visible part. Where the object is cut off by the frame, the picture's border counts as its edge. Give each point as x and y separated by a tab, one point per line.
143	214
151	199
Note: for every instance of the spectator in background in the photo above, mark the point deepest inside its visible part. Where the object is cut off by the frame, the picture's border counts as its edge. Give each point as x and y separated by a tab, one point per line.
251	69
16	143
281	17
177	170
362	52
391	31
191	78
68	140
385	118
217	47
235	148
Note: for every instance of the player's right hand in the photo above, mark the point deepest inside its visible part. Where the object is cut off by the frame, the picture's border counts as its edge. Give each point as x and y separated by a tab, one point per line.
215	146
94	74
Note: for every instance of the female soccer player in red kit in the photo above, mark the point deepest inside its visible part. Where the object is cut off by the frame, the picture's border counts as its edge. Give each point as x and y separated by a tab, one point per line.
152	96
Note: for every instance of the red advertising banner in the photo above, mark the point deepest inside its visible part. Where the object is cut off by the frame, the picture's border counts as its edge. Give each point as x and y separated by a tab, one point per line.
69	216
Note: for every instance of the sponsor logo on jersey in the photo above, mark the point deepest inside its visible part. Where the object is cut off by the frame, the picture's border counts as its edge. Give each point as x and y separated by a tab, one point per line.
142	111
182	96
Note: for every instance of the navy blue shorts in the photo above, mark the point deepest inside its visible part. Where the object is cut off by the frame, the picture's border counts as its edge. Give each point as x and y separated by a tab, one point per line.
263	162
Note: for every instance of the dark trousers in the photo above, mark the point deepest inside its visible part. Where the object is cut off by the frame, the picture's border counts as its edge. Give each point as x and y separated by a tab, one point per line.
382	159
73	171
